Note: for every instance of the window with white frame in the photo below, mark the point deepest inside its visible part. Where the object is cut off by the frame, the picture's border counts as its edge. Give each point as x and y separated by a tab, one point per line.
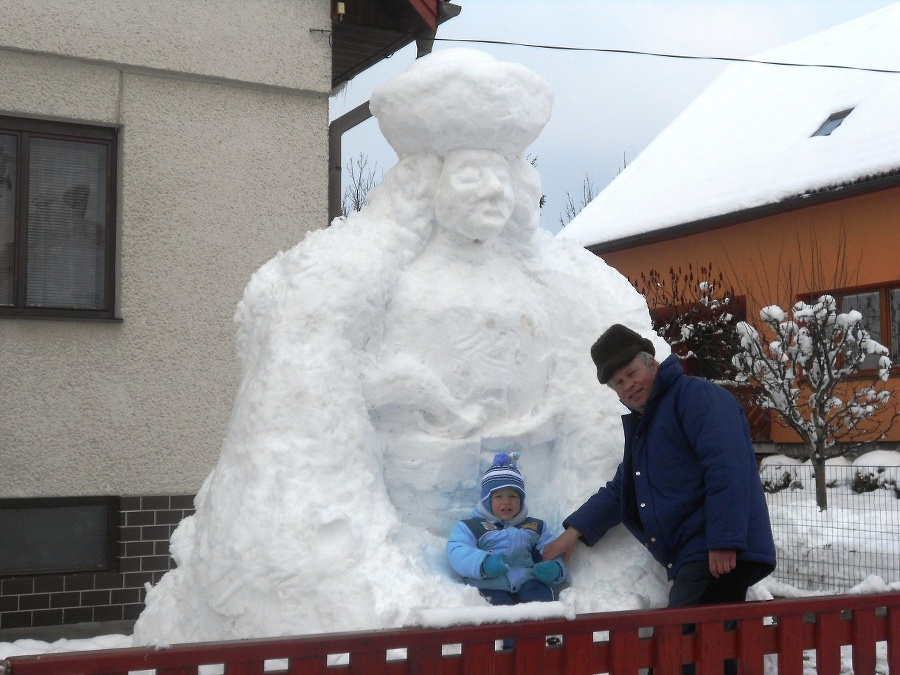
57	219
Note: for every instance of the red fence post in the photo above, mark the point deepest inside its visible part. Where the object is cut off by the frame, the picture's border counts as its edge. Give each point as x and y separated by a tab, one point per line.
478	658
623	650
709	652
577	653
893	647
667	650
750	651
424	660
311	665
790	644
529	656
862	632
368	662
828	646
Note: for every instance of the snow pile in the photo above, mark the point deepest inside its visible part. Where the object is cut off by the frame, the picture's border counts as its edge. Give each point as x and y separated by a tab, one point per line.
385	360
887	468
26	647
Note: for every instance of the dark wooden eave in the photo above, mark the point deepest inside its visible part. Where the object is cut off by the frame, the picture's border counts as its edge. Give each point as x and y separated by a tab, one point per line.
856	188
372	30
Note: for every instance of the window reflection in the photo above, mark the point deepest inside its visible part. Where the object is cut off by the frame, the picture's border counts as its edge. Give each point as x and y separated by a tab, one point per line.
869	306
66	224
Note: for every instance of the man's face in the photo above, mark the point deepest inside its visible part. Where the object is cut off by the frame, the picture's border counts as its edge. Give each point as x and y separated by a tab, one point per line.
633	383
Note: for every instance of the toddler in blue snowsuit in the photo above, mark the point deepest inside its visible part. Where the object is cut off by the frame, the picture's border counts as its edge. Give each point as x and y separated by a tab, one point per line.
499	549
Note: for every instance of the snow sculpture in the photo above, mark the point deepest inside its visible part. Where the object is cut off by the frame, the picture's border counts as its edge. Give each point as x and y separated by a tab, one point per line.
385	360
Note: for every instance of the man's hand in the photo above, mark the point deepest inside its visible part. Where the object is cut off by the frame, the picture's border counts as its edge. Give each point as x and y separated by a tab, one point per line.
721	562
563	545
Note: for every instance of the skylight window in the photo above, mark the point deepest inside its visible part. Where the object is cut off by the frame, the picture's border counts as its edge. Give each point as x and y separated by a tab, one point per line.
832	123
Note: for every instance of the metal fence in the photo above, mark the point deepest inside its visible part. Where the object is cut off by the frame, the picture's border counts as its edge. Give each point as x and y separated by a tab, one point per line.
834	550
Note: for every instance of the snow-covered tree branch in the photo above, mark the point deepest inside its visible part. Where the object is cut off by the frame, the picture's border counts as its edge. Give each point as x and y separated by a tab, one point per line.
809	372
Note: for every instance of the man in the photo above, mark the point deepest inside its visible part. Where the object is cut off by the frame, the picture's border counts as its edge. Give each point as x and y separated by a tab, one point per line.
688	487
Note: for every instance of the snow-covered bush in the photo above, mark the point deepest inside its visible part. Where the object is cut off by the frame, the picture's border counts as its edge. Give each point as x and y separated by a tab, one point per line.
779	472
877	470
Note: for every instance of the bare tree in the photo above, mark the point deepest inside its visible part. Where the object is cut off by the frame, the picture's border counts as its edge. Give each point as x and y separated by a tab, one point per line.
533	160
588	192
799	272
807	370
361	180
624	164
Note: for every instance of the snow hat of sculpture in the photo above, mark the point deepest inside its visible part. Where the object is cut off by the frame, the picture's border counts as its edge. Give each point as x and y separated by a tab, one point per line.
457	99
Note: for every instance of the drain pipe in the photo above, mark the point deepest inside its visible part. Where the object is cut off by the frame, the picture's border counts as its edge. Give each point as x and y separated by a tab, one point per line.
335	131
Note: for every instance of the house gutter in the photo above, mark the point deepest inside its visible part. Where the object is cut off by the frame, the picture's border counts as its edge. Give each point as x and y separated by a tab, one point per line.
823	196
336	130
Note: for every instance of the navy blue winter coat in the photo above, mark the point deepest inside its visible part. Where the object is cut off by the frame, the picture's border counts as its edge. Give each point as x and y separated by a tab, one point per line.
688	482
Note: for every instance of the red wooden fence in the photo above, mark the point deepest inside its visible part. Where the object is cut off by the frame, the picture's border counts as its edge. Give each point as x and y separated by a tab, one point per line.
610	642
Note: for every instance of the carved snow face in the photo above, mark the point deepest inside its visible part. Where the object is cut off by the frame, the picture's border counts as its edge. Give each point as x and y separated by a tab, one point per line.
475	197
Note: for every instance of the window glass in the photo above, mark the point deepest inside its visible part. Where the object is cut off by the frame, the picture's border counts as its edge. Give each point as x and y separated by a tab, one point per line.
66	534
894	302
7	216
832	123
869	306
66	224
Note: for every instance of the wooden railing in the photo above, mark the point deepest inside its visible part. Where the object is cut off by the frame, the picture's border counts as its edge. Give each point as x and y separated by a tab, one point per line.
611	642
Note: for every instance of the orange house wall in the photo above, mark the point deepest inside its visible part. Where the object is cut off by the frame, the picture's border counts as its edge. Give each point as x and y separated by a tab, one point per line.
745	253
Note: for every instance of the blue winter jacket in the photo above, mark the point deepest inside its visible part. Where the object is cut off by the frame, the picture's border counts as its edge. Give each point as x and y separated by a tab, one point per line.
522	543
688	482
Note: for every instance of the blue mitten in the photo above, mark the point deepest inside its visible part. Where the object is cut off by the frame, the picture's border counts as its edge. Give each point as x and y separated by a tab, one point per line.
548	571
493	566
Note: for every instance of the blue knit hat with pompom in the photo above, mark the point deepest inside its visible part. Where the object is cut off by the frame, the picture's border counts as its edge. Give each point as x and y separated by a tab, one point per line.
503	474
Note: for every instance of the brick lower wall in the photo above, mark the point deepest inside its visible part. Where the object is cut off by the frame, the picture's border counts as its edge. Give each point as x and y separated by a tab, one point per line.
145	525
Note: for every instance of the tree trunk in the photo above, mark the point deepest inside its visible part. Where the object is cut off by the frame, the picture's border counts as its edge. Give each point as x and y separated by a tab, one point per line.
818	465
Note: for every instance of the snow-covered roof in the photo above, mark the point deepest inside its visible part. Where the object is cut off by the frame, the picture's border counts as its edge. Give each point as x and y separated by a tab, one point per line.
748	141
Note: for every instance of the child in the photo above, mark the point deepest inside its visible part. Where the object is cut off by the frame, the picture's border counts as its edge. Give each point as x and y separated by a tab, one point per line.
499	549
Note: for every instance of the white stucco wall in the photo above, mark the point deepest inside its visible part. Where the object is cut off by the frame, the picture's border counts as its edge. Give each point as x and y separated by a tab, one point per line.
281	43
223	111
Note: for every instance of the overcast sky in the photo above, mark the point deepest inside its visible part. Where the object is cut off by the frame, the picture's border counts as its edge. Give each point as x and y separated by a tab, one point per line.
608	107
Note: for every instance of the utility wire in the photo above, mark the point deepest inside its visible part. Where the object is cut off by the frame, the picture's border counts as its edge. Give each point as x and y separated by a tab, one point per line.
732	59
